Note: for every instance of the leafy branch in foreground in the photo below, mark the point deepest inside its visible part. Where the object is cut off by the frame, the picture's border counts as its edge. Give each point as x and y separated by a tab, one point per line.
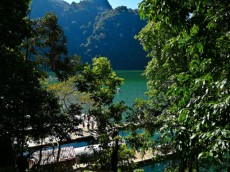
188	79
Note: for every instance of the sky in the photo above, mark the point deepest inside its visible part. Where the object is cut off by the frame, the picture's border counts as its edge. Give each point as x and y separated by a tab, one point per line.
115	3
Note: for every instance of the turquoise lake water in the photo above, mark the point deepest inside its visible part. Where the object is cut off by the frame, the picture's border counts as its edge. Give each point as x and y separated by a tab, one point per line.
134	86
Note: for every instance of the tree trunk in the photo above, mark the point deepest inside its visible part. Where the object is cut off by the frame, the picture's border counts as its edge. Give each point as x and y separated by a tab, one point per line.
59	151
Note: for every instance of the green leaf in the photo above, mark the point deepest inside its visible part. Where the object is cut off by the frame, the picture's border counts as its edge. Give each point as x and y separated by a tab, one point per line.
202	154
193	136
194	30
182	117
200	47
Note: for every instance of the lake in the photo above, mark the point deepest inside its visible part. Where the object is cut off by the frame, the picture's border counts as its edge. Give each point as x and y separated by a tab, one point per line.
134	86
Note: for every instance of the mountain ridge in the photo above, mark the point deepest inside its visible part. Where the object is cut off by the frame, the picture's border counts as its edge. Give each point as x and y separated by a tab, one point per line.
81	23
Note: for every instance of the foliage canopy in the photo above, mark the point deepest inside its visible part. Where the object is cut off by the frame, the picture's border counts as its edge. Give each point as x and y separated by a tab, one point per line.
188	77
27	109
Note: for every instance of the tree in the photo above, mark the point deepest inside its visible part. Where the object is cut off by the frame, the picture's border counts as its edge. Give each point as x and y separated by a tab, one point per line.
101	83
13	28
46	44
188	78
27	109
11	36
23	101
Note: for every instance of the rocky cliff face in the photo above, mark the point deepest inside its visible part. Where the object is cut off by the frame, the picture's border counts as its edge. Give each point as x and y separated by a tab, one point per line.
93	28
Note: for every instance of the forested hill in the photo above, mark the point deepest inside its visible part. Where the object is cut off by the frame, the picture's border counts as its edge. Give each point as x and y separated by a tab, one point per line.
93	28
